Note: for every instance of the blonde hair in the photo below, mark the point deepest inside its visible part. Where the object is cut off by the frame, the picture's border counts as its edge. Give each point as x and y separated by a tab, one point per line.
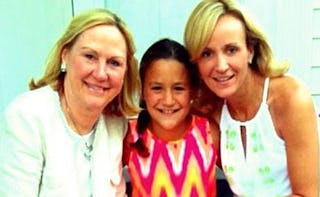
126	102
202	22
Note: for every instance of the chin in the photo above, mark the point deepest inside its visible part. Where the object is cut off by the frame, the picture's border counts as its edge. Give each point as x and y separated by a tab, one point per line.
223	94
97	103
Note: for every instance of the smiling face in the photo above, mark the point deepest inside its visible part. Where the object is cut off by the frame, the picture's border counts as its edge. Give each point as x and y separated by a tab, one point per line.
96	66
223	64
167	94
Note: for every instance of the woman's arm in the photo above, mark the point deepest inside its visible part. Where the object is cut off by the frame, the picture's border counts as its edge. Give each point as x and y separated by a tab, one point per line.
21	155
295	120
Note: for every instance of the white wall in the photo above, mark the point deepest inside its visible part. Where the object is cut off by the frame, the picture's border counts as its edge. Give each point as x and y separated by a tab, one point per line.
29	29
79	5
150	21
293	28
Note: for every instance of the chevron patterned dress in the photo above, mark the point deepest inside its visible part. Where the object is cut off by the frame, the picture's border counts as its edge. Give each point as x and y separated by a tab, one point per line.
184	168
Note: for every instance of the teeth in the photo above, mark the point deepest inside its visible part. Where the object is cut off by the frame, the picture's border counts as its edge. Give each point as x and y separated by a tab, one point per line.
95	88
222	78
167	111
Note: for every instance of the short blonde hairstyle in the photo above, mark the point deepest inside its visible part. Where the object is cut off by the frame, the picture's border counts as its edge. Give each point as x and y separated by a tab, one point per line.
202	22
126	102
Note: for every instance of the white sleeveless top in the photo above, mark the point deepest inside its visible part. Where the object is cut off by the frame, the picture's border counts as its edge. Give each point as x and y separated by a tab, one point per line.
263	170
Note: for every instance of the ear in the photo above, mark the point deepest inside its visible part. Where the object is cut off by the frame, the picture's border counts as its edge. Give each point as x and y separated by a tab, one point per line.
64	53
250	53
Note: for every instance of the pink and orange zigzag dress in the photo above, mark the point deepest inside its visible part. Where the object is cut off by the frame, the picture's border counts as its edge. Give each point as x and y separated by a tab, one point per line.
184	168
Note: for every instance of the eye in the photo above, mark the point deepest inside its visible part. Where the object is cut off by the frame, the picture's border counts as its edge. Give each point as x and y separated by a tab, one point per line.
206	53
156	88
89	56
231	50
179	88
117	62
114	62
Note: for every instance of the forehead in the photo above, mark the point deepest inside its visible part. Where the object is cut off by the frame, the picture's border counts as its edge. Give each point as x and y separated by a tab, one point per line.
102	33
228	25
103	28
164	69
104	39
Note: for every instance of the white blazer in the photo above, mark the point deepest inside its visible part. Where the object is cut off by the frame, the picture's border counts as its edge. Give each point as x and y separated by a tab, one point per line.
37	154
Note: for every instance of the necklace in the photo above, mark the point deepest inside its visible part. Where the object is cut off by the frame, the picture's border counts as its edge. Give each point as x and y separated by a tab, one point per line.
88	144
87	139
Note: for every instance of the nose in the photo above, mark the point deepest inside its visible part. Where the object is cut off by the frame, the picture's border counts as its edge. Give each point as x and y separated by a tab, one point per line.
222	64
168	98
100	71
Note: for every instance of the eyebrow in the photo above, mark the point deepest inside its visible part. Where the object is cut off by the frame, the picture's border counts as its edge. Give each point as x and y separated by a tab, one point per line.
88	48
232	43
95	51
174	84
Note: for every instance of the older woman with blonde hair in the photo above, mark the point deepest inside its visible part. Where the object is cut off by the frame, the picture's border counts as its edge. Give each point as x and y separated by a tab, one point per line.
64	137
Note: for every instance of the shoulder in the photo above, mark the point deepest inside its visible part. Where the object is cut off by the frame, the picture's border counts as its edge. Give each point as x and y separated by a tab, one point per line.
132	129
115	119
133	123
33	106
289	101
202	125
287	91
198	120
33	101
116	124
30	116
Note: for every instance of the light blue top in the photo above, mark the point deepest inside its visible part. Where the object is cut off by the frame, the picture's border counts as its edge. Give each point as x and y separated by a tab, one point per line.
263	170
41	156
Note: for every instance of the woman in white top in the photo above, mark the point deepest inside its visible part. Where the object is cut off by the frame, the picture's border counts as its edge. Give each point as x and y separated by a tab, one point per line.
267	121
64	137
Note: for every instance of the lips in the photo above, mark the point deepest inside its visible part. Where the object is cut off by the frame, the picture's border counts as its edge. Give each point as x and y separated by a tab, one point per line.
168	111
223	78
96	88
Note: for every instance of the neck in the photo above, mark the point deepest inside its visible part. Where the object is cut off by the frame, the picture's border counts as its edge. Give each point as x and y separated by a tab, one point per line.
82	122
171	135
245	104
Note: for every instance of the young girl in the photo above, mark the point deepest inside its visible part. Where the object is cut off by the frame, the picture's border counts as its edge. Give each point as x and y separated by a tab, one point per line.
169	152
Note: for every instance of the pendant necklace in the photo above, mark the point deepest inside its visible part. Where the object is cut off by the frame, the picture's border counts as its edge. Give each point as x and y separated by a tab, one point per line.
87	139
88	143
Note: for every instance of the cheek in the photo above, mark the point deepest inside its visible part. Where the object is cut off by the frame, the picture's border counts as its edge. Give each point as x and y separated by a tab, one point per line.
239	62
147	96
239	66
150	98
75	73
204	69
186	100
78	69
117	77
